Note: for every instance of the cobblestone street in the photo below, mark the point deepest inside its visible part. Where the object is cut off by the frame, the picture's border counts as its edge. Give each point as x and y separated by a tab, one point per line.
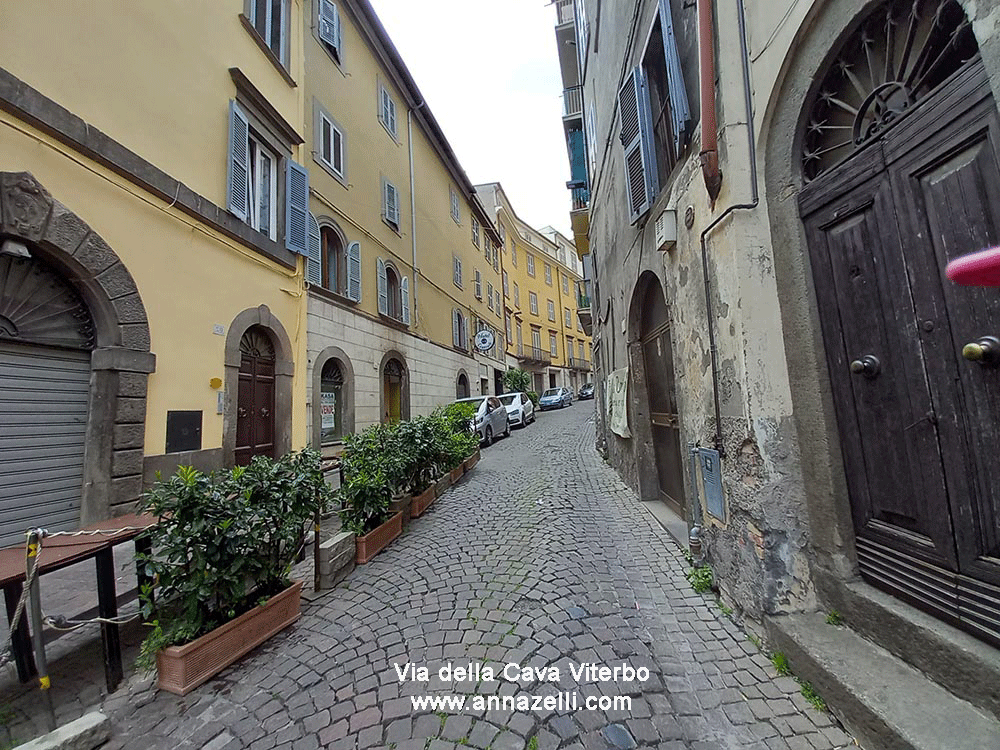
540	557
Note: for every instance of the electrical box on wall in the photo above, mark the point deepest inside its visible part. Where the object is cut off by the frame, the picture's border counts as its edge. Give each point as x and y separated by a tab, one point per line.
666	230
711	479
183	431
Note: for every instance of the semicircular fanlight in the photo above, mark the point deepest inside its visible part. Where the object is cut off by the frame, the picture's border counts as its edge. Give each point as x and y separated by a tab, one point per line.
256	342
38	306
900	53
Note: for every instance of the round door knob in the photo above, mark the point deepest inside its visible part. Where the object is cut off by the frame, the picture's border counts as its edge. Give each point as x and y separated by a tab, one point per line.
868	365
985	350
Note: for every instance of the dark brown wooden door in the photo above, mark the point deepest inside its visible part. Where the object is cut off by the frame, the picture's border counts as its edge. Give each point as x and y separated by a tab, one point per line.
918	423
255	397
657	356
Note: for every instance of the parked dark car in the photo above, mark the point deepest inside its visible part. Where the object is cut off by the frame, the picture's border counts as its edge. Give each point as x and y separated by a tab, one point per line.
586	391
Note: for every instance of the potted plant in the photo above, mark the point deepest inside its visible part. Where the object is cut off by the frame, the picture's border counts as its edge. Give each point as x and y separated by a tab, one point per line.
222	553
365	511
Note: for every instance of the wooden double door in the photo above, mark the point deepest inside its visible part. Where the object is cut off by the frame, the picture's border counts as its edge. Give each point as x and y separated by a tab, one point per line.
255	397
919	422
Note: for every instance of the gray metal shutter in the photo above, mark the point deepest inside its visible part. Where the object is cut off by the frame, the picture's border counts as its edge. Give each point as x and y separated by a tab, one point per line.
44	398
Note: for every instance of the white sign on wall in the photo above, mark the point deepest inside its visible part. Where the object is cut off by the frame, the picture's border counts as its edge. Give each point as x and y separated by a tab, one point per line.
617	395
328	410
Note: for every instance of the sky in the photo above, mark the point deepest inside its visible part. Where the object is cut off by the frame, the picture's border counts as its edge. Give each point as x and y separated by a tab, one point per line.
489	72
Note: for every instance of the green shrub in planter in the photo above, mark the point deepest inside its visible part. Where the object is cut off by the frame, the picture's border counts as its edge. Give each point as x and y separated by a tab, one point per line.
533	396
225	542
365	497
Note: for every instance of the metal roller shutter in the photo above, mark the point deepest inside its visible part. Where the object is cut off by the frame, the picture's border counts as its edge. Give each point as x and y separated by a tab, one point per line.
43	422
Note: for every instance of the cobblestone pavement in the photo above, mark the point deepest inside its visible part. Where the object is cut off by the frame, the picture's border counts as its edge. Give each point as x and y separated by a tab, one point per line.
541	557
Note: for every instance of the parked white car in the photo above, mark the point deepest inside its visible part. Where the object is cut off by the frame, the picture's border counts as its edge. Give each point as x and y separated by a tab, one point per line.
490	419
520	410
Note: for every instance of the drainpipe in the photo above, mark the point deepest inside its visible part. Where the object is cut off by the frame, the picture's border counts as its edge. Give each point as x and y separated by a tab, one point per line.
413	202
754	200
709	127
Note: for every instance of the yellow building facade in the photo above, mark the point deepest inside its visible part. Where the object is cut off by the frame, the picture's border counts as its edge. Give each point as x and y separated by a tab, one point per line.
540	279
238	232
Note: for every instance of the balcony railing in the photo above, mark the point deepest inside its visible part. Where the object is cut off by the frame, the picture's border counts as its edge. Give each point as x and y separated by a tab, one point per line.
582	302
535	355
573	101
564	8
581	198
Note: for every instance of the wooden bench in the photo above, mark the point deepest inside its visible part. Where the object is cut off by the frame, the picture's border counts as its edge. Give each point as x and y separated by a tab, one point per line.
59	552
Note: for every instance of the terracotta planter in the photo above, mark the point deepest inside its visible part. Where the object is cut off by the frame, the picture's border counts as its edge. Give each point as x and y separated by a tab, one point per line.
472	461
422	501
183	668
402	504
375	541
457	473
442	485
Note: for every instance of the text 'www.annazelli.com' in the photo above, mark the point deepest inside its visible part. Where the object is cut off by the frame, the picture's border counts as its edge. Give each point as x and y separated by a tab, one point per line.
564	702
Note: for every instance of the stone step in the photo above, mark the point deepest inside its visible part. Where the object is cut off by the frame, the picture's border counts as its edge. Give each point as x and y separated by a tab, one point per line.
885	703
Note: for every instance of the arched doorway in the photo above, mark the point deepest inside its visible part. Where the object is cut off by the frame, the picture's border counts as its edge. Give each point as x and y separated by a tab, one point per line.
901	160
395	393
46	340
658	367
255	396
462	386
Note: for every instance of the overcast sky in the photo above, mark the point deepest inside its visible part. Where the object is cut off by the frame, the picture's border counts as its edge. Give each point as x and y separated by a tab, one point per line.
489	72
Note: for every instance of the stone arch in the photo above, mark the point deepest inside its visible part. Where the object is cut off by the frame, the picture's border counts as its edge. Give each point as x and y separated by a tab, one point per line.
347	370
284	369
461	392
404	390
824	479
639	401
121	360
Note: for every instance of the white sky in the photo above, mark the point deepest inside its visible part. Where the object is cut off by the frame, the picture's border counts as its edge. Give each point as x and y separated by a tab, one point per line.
489	72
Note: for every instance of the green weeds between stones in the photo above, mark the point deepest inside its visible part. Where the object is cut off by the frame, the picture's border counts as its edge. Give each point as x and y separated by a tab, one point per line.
701	578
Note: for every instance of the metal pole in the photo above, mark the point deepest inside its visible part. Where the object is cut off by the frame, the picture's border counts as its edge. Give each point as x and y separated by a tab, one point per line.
316	526
37	639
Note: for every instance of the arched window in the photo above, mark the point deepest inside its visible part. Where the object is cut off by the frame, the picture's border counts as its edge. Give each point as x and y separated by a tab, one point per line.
392	293
331	403
462	387
459	330
334	261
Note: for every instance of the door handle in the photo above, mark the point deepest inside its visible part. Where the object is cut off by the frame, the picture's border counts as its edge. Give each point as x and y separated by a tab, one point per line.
868	365
985	351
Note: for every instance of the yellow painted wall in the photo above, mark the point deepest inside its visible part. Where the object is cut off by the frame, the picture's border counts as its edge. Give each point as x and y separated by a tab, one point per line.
152	75
189	277
349	92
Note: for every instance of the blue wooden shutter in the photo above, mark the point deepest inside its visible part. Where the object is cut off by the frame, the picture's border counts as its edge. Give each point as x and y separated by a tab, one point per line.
296	208
238	172
314	259
354	271
329	24
383	292
634	138
404	298
680	112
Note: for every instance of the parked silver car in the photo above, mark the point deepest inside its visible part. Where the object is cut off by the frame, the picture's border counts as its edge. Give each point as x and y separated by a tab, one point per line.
490	419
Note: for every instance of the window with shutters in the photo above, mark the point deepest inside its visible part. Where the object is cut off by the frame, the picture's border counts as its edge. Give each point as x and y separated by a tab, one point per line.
510	330
269	21
334	261
582	359
506	286
456	265
479	285
553	345
387	110
497	306
552	311
565	282
329	146
517	295
513	256
393	293
253	178
489	295
533	303
536	337
475	231
531	264
548	274
496	260
328	29
390	204
459	330
655	116
568	317
455	208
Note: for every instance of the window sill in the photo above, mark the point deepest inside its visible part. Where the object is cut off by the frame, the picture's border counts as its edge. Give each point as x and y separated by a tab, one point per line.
268	52
331	296
341	178
394	322
393	227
